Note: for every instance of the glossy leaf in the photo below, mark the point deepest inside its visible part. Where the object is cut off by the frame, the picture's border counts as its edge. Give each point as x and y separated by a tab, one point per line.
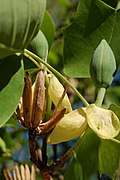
87	154
19	24
74	171
94	21
115	109
39	45
48	28
109	154
11	86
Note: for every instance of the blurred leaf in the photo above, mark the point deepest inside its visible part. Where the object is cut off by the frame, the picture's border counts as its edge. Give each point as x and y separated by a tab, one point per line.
39	45
109	156
11	86
4	151
87	154
113	96
94	21
3	145
74	171
115	109
11	122
48	28
19	24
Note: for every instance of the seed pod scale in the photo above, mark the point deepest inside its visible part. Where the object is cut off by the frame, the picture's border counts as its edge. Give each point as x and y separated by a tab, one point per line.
38	100
27	101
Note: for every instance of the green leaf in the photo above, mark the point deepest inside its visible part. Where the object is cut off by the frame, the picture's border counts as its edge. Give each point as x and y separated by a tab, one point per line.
4	151
87	154
111	3
39	45
19	24
11	86
109	154
48	28
74	171
3	145
94	21
115	109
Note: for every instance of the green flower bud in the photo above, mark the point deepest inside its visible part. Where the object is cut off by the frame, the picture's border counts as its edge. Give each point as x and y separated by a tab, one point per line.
103	65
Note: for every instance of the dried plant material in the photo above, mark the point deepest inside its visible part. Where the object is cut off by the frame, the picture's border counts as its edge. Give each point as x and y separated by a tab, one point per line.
19	110
16	173
27	101
55	91
38	100
27	172
7	174
49	125
33	174
71	126
22	170
103	122
20	174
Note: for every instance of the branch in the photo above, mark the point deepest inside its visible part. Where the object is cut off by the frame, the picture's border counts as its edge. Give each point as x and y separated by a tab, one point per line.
35	157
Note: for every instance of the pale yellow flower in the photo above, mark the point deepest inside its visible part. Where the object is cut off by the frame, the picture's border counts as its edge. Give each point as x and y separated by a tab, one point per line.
55	91
103	122
71	126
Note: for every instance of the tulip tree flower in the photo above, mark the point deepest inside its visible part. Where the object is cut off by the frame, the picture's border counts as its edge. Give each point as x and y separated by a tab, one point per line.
103	122
67	126
55	91
71	126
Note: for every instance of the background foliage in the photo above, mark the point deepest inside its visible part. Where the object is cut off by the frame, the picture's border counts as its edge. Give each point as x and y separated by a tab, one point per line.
67	26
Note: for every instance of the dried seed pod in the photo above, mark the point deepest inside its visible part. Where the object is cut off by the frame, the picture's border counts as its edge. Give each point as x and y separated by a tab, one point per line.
7	174
55	91
38	100
71	126
33	174
16	173
27	101
49	125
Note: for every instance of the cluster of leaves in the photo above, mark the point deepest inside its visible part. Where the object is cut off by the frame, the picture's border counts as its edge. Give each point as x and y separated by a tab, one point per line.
95	20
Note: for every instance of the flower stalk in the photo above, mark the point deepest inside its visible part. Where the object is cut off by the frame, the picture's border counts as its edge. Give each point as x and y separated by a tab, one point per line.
34	57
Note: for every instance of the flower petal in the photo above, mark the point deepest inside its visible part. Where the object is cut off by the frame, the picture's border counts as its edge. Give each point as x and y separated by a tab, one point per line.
71	126
103	122
55	91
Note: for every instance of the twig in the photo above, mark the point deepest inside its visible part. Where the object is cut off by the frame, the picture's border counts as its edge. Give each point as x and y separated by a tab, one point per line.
35	158
65	158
